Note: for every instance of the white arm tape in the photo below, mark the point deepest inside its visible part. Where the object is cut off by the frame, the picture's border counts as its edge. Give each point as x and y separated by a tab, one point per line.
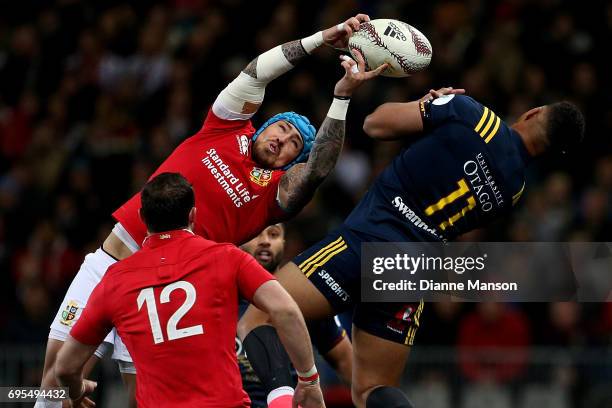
338	109
270	65
230	101
308	373
313	42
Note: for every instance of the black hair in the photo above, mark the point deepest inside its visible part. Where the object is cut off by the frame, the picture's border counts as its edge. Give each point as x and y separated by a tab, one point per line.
166	201
565	126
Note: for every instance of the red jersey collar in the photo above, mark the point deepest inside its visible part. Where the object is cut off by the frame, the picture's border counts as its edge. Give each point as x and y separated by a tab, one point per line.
160	238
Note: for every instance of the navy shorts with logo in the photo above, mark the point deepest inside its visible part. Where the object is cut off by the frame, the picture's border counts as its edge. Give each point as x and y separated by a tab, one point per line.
333	266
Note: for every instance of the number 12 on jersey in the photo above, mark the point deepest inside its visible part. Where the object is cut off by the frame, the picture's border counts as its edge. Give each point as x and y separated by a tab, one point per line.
148	296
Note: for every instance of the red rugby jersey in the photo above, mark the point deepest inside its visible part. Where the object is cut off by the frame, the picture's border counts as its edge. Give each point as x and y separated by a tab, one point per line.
235	198
177	316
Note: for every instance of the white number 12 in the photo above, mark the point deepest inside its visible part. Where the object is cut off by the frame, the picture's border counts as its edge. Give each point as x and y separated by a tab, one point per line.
147	295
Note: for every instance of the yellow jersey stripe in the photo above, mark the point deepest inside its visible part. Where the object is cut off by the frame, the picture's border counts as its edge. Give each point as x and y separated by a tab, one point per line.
518	195
484	131
408	336
444	201
417	314
452	220
322	254
494	131
482	120
322	262
414	330
326	247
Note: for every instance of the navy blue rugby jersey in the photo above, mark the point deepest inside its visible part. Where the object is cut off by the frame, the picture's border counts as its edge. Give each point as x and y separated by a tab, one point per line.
466	169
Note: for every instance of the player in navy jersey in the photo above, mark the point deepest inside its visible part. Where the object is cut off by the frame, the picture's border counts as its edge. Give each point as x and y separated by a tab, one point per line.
464	168
327	335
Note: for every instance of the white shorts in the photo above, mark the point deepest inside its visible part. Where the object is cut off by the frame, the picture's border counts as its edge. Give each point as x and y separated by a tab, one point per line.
92	270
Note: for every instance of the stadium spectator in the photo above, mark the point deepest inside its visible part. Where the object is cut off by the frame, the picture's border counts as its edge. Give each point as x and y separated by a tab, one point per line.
493	343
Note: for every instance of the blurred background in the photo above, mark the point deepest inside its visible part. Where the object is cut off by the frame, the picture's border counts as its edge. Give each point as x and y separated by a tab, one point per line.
94	95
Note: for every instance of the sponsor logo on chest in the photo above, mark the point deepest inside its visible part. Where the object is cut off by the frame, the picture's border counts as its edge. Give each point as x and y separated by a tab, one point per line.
231	182
483	183
411	216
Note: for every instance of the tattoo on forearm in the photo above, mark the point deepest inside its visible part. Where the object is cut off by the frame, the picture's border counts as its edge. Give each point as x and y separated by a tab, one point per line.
295	186
294	51
301	181
327	146
251	69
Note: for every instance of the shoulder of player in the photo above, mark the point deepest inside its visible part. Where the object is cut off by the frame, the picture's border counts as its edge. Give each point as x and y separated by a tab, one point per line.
473	113
214	125
185	249
464	103
201	246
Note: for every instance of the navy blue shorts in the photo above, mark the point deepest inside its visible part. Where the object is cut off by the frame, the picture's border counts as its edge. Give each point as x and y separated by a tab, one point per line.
333	266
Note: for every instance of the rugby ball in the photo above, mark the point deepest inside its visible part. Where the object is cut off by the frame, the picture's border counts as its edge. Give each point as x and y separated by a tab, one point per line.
402	46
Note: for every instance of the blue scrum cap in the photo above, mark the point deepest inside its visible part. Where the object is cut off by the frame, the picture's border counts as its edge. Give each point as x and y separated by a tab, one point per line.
302	124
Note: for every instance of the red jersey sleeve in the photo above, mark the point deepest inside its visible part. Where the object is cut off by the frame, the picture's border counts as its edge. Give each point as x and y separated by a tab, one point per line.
273	211
250	275
215	124
96	321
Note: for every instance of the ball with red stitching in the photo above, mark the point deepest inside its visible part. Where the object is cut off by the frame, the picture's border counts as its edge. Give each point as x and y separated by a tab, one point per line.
402	46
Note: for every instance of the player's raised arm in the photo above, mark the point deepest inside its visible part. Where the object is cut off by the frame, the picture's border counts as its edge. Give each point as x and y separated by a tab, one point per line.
299	183
393	120
288	321
243	96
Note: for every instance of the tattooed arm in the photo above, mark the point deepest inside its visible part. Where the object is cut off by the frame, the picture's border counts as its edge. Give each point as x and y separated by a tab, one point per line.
243	96
300	182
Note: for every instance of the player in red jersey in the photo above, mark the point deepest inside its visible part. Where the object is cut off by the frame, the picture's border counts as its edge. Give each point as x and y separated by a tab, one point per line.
244	179
175	304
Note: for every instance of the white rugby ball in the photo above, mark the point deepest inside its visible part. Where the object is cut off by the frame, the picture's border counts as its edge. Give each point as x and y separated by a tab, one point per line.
402	46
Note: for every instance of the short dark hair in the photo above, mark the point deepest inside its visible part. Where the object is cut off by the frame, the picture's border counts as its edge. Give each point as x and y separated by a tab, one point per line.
166	202
565	126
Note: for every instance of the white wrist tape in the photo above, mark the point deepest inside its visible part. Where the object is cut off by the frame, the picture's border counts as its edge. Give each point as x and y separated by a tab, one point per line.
310	372
338	109
313	42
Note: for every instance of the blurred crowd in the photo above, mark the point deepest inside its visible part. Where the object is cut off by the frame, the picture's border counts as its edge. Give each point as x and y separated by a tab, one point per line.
94	95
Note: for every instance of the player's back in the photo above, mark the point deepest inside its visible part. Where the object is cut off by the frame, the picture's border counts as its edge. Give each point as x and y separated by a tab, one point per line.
176	310
466	169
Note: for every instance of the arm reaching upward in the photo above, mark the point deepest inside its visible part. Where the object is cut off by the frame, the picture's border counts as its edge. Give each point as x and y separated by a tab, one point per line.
243	96
393	120
299	183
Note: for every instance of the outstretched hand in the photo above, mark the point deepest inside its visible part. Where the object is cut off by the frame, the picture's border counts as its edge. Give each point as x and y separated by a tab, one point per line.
434	94
83	401
338	35
308	396
355	74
